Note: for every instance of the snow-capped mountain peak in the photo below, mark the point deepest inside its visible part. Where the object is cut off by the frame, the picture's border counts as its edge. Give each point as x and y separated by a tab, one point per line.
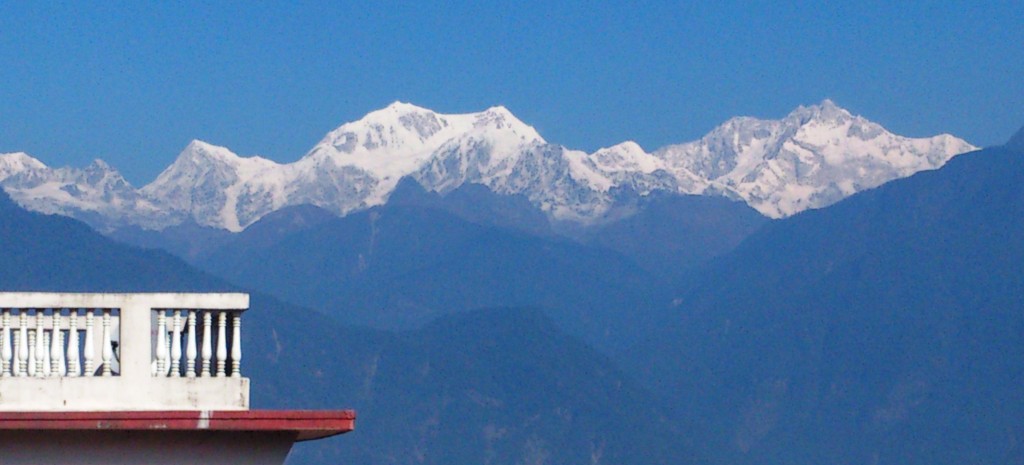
499	120
98	192
399	127
389	141
214	186
810	158
200	152
825	112
371	155
17	162
101	176
813	157
625	156
100	165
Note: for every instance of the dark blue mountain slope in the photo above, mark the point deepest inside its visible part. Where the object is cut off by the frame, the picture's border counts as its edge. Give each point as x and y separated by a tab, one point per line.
672	235
399	267
885	329
476	204
188	240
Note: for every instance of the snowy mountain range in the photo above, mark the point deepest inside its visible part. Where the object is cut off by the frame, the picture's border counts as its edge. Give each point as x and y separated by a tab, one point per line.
813	157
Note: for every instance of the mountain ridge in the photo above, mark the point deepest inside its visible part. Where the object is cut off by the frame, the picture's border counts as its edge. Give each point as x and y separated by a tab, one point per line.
811	158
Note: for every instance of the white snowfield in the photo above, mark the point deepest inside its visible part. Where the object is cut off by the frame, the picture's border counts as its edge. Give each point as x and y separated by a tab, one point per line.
812	158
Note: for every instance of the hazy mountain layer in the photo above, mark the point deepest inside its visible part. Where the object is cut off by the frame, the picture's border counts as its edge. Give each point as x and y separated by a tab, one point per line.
398	267
500	386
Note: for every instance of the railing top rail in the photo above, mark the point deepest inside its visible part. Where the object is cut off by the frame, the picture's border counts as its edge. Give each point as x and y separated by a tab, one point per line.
165	300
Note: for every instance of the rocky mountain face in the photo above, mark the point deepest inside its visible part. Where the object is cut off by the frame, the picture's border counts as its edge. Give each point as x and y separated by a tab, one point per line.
813	157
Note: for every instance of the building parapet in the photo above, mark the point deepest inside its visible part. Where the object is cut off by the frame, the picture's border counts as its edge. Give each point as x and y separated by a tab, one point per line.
111	352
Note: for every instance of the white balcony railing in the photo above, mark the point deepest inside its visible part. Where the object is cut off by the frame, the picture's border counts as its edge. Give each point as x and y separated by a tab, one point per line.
46	343
62	351
180	327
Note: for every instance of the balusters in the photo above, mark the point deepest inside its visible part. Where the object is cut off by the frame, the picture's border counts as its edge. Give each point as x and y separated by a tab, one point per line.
39	346
161	343
56	346
222	343
207	342
74	364
23	340
47	343
108	349
236	346
34	345
176	346
44	361
6	351
90	349
190	349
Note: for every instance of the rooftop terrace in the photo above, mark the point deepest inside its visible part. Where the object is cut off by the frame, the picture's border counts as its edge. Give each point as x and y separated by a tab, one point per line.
137	378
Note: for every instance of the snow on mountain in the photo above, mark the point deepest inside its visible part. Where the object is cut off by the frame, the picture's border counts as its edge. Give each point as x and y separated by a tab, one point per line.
488	150
625	157
358	165
541	172
627	165
390	142
568	184
18	162
394	142
97	194
215	187
354	167
811	158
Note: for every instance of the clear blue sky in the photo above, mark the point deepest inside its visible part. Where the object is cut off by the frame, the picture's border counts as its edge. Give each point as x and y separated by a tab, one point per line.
133	82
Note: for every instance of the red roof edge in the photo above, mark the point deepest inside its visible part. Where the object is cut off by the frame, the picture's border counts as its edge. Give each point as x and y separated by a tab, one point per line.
307	424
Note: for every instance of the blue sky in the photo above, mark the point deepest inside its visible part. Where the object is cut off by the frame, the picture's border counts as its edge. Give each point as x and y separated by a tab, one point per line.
133	82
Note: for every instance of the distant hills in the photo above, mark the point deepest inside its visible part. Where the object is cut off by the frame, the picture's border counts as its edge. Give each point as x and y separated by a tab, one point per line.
885	329
506	386
400	267
811	158
502	385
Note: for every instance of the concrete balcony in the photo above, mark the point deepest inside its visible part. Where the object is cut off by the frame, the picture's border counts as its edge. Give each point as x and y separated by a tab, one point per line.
88	352
131	379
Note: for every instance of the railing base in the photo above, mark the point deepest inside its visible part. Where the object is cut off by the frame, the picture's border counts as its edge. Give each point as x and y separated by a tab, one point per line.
115	393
